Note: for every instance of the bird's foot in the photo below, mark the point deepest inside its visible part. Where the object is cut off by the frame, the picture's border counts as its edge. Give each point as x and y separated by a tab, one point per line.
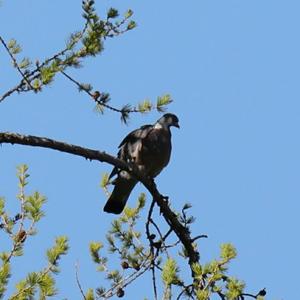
166	201
165	198
151	180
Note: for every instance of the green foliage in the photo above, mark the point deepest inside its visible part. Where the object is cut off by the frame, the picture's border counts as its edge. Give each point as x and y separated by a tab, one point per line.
72	41
170	272
95	254
47	74
145	106
104	180
22	176
123	239
162	102
14	47
202	295
93	39
234	288
131	25
4	276
128	14
160	106
90	295
197	269
212	277
89	10
41	282
80	45
47	286
33	206
184	218
2	205
30	213
112	13
228	252
25	63
36	84
54	254
114	276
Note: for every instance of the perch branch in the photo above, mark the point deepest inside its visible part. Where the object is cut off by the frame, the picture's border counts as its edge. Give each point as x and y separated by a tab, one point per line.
171	218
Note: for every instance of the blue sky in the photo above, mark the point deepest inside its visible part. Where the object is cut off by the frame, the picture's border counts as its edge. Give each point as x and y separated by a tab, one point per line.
232	68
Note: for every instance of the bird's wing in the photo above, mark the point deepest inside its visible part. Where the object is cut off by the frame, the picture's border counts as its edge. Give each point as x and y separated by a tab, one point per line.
136	135
131	146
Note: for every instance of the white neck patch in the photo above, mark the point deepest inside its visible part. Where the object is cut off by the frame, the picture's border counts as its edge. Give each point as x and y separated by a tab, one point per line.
160	126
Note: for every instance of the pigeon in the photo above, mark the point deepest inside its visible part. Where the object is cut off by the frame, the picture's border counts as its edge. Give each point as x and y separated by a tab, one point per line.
149	148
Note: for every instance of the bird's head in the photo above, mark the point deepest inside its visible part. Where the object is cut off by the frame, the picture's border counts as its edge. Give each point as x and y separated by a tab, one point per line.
168	120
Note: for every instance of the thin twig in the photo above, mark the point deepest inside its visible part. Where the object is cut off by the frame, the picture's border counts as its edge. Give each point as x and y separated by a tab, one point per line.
126	281
115	28
201	236
62	52
81	87
11	91
249	295
148	225
150	239
162	240
173	245
154	281
78	281
15	63
32	75
185	289
221	295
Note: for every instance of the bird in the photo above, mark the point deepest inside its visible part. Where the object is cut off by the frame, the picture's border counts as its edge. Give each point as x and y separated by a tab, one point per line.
149	148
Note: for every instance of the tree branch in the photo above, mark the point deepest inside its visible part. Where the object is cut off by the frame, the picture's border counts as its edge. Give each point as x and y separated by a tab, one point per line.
171	218
96	95
15	63
78	281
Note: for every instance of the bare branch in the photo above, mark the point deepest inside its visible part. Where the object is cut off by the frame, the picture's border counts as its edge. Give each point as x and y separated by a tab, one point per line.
201	236
78	281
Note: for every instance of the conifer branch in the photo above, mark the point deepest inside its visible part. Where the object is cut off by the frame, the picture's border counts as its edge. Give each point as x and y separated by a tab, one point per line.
15	63
91	38
34	74
46	271
126	281
96	96
171	218
102	99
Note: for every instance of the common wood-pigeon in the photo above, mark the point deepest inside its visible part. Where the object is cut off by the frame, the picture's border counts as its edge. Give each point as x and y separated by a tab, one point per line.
149	148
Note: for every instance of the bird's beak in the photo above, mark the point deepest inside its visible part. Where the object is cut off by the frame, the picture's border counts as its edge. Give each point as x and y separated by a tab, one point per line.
176	125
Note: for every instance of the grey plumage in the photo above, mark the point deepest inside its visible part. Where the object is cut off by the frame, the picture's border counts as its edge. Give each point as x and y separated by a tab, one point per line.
149	148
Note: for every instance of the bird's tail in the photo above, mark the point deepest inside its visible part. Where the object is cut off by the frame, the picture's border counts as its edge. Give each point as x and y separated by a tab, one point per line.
117	200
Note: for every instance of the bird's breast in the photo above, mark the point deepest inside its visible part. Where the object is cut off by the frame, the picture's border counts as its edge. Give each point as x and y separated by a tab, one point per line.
156	152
